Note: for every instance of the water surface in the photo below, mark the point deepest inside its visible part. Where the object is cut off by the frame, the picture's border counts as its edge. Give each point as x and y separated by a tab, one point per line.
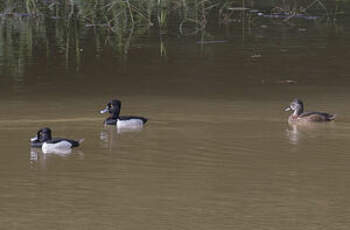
217	152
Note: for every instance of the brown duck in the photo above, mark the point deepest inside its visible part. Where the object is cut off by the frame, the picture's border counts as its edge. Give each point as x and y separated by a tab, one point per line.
299	115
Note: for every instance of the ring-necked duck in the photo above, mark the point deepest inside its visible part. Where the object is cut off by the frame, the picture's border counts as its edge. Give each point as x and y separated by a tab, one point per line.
114	107
299	115
44	140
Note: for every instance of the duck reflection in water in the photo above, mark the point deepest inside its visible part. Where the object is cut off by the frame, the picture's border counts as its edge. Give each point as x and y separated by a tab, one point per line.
109	134
37	156
297	133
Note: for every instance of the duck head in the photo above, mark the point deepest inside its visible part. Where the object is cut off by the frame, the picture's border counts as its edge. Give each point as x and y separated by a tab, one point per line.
42	135
113	107
297	106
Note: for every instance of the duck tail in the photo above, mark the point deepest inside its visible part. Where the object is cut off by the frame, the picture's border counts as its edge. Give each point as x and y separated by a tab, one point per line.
332	117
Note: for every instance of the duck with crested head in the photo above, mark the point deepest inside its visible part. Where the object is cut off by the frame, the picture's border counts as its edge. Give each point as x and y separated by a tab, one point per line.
299	115
113	108
49	144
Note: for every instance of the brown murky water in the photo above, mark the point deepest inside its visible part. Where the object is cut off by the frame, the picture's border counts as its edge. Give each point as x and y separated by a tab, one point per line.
217	152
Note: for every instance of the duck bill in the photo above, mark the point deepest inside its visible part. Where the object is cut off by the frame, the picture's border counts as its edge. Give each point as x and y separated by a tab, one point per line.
287	109
34	139
104	110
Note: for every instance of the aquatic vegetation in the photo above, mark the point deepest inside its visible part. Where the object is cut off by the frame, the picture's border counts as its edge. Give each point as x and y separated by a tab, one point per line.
57	26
